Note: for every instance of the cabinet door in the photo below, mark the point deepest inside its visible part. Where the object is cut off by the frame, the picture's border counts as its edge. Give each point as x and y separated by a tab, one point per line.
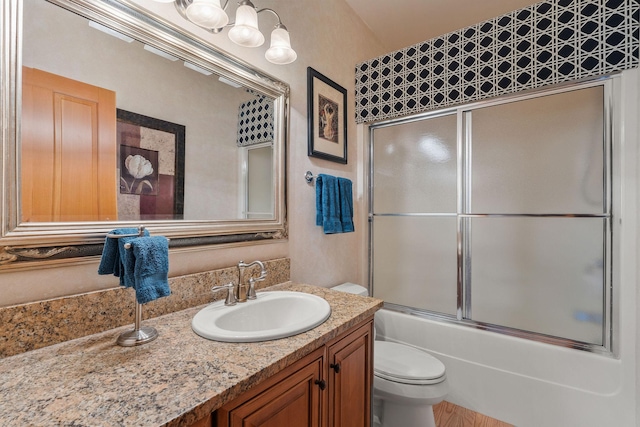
293	400
350	379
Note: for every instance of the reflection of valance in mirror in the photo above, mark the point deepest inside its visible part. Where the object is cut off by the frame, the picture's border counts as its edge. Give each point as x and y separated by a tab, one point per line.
255	121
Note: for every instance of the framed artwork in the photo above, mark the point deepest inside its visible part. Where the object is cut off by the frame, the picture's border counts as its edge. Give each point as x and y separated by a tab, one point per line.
151	168
327	118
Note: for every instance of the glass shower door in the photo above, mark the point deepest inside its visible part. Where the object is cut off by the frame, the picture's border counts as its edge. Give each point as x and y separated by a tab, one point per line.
414	193
499	215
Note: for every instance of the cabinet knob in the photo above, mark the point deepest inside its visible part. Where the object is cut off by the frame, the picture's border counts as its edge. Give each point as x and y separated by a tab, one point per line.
322	384
335	367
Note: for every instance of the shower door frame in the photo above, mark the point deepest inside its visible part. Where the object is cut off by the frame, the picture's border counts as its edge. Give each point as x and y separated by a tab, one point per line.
611	192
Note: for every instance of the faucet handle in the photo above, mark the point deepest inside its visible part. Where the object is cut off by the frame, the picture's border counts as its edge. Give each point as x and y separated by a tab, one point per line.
231	295
251	293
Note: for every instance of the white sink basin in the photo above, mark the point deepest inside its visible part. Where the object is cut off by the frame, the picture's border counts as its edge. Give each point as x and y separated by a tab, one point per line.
271	316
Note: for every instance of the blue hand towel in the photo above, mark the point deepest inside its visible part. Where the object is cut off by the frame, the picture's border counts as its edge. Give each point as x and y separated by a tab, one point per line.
346	204
328	204
151	270
116	259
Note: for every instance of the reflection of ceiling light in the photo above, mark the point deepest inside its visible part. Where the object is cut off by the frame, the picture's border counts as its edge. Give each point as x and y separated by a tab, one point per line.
109	31
159	52
198	69
434	149
244	31
229	82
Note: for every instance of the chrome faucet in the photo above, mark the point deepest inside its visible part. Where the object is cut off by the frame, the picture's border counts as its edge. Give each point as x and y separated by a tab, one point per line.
242	293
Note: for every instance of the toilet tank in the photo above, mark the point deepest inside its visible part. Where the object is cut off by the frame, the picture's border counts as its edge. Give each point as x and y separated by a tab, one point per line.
351	288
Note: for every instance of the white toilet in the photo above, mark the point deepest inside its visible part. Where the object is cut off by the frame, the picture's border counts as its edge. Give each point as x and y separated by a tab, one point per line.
407	382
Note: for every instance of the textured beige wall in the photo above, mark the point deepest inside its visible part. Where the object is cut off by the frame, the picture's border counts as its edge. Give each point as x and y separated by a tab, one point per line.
327	37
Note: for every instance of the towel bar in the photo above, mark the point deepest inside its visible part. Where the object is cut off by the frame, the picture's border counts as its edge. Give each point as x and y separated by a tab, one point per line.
140	233
128	245
139	335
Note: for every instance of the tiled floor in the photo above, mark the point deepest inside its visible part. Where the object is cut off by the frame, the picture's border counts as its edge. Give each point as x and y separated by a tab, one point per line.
450	415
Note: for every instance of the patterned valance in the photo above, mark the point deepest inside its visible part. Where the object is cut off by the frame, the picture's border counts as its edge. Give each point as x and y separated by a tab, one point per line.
549	42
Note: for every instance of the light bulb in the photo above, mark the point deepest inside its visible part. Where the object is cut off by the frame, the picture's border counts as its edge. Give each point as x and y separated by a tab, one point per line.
207	14
245	32
280	51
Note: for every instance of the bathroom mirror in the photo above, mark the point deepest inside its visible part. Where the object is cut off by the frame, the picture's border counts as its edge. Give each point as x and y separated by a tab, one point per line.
117	118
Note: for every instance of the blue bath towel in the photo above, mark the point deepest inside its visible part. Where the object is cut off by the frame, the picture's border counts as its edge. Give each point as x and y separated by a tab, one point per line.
334	204
151	268
346	204
328	204
116	259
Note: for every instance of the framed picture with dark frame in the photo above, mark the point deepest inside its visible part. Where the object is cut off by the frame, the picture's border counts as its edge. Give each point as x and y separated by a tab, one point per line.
327	118
151	176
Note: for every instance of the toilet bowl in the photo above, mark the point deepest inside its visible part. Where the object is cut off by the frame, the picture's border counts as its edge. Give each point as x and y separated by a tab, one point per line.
407	382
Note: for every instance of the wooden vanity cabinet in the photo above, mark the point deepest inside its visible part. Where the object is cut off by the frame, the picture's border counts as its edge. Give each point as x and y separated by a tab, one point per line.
289	398
350	376
331	387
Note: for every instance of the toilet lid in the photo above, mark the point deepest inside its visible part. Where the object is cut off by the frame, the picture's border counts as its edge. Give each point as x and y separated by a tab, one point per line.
405	364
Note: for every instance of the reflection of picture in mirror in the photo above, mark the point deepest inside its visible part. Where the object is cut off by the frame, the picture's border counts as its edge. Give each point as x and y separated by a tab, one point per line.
138	171
149	170
328	119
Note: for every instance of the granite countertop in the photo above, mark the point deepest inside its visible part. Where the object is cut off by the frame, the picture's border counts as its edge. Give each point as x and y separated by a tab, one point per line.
174	380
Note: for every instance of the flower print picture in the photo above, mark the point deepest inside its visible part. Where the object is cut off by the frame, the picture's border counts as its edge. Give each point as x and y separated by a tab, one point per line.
138	171
328	119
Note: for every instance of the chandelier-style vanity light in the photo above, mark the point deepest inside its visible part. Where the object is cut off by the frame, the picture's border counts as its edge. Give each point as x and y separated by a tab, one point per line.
211	15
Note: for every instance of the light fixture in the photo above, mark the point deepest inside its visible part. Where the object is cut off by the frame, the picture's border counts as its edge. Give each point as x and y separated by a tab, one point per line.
207	13
280	51
244	31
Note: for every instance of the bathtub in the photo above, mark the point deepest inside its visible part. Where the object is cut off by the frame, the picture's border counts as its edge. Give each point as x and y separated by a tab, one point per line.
519	381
